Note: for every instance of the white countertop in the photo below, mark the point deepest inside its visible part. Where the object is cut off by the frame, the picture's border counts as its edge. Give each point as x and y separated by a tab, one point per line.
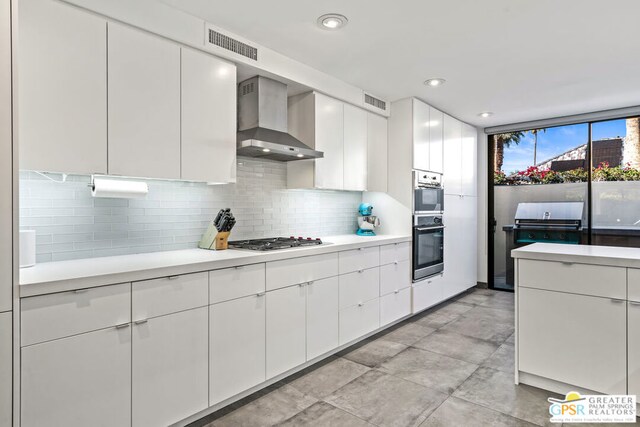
584	254
77	274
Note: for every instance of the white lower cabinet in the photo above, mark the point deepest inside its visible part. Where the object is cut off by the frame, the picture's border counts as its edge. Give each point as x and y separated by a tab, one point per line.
633	349
395	276
556	339
322	316
83	380
427	293
286	329
6	373
360	286
395	305
170	367
236	346
359	320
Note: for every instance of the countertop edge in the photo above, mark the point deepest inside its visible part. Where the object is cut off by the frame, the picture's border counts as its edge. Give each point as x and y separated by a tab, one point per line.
600	255
41	286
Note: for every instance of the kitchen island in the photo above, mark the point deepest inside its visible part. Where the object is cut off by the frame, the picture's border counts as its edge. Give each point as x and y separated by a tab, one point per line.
578	318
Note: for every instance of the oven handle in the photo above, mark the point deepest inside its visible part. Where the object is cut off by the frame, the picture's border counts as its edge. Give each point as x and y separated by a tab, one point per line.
429	228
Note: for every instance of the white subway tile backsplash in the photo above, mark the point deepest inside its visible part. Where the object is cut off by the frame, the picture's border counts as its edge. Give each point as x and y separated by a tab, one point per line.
70	224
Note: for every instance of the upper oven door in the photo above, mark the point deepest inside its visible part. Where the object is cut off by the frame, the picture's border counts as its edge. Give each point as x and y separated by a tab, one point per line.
428	200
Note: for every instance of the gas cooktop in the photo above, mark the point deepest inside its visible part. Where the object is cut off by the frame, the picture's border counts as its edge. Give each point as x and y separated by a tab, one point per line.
274	243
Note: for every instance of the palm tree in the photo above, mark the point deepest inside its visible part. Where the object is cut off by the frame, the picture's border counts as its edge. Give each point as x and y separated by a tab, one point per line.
501	141
535	132
631	153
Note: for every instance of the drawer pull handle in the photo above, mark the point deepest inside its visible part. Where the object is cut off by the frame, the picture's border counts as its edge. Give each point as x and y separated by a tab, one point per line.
360	304
239	267
261	294
301	284
122	326
395	262
634	303
310	283
428	281
360	249
617	301
360	271
80	291
397	291
172	277
141	322
567	263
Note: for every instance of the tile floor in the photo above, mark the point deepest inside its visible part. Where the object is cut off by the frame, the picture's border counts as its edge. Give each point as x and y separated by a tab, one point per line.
450	366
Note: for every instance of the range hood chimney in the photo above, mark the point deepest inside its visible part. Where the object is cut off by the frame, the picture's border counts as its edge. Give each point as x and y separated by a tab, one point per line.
262	123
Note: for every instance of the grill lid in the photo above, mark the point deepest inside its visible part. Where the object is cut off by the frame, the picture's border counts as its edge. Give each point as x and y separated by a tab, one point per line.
550	211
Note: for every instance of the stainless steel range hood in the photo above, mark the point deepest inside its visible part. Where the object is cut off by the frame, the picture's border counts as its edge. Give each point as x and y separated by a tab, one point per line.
262	123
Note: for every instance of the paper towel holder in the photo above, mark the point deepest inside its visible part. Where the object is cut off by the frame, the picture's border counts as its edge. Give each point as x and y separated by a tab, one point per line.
105	186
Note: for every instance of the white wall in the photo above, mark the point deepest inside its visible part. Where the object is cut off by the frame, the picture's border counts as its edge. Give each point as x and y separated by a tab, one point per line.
483	150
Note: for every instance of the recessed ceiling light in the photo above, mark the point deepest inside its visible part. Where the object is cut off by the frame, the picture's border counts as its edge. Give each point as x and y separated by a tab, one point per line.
486	114
266	150
435	82
332	21
300	155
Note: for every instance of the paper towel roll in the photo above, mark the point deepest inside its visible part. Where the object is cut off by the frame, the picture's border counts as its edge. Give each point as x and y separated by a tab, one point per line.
27	248
103	187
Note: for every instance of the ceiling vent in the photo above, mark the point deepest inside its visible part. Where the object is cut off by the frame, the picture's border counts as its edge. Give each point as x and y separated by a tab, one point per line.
375	102
236	46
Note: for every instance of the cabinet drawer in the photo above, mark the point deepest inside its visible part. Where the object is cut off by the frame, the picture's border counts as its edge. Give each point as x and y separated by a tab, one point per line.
359	259
427	293
395	306
633	275
47	317
293	271
583	279
358	287
556	335
395	276
395	253
157	297
359	320
236	282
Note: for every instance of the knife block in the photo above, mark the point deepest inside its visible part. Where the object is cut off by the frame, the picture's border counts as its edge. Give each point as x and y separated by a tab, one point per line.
222	240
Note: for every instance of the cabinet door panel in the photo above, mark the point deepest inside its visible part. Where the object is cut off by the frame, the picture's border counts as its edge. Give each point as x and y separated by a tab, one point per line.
236	282
395	276
355	148
460	249
452	178
377	168
359	259
80	381
556	332
286	331
394	306
634	348
436	125
6	373
170	368
322	317
208	118
157	297
144	104
294	271
421	136
62	88
359	320
468	158
237	346
359	286
329	170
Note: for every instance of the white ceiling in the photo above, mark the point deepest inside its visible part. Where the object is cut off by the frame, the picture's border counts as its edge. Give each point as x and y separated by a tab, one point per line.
521	59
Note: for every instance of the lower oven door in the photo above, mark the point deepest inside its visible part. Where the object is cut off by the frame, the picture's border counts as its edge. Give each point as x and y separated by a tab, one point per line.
428	251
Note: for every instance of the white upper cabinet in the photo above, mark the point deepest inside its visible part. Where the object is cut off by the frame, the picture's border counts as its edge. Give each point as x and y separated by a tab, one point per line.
208	118
436	129
355	148
377	167
452	178
469	168
144	104
354	143
62	88
329	139
421	136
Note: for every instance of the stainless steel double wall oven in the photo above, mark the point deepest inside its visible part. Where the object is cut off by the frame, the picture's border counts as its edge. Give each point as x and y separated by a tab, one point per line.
428	227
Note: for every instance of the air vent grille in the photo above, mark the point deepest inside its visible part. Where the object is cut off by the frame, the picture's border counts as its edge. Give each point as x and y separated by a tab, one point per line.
233	45
378	103
247	88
